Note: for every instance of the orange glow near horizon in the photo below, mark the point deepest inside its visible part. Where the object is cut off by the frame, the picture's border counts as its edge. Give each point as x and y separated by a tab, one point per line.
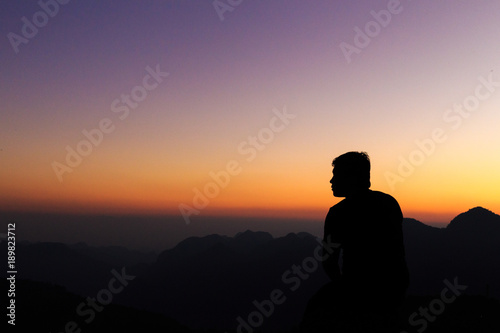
243	197
263	188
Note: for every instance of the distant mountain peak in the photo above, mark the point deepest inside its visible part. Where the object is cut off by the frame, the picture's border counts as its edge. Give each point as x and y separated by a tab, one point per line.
473	218
480	210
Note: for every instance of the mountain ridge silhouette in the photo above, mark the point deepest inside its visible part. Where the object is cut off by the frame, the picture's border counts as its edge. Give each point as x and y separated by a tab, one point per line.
209	281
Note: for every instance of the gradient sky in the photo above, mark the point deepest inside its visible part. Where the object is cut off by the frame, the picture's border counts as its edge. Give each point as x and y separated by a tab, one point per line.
225	79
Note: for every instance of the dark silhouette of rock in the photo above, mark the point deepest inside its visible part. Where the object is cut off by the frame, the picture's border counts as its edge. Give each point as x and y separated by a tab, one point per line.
43	307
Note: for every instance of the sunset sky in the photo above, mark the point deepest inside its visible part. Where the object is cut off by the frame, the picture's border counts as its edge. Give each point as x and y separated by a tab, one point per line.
263	94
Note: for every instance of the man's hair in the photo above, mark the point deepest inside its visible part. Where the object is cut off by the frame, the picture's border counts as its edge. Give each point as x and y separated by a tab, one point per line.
355	164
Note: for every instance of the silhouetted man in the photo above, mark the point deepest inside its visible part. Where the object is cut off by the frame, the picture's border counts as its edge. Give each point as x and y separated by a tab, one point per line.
369	283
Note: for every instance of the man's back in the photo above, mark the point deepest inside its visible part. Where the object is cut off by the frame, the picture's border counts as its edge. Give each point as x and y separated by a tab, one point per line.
368	228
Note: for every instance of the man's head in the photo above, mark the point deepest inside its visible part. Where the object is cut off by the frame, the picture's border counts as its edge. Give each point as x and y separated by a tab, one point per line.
351	173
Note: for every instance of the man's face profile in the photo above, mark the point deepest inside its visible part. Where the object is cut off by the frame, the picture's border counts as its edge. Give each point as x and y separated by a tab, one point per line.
338	182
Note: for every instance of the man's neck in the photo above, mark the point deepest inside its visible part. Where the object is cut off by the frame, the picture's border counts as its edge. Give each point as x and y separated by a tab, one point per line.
357	193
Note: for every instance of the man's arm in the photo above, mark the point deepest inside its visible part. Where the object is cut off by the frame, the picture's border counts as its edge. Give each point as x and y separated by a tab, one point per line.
331	249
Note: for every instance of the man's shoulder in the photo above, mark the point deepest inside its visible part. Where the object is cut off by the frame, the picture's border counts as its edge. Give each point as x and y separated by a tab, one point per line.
385	200
338	210
338	206
371	197
382	196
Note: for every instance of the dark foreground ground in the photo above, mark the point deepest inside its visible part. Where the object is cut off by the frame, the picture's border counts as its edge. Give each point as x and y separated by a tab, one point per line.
43	307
